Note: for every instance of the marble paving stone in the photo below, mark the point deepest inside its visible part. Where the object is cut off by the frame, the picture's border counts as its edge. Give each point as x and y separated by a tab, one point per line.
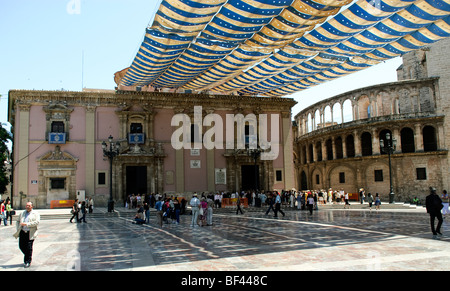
329	240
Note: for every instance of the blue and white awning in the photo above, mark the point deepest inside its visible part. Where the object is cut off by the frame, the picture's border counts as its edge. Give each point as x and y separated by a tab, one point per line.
278	47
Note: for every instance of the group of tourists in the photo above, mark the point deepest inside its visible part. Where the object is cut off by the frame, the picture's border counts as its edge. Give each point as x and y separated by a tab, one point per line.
166	209
169	209
81	208
6	211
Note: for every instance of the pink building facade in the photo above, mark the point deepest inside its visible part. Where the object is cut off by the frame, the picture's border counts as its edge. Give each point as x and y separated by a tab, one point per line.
170	143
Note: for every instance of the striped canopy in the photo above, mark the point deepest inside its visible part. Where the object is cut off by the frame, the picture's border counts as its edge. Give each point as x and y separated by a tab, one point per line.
278	47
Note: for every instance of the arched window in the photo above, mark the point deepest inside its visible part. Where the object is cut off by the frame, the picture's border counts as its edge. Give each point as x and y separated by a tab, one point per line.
338	145
337	118
327	116
347	111
309	124
407	140
350	144
429	139
319	151
329	146
366	144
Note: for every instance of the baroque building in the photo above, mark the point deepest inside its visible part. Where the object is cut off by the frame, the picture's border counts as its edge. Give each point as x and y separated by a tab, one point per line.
339	141
58	138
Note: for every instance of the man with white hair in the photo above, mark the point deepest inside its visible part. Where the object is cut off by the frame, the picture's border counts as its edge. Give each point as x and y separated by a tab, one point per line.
195	204
27	232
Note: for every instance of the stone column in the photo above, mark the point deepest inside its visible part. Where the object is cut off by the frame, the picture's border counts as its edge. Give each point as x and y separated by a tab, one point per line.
396	135
375	142
357	139
418	137
324	150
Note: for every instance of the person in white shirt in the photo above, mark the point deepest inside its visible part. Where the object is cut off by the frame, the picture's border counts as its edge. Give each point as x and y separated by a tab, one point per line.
195	204
27	231
347	204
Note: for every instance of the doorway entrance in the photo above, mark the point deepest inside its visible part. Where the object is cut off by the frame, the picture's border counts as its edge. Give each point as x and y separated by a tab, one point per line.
136	180
248	177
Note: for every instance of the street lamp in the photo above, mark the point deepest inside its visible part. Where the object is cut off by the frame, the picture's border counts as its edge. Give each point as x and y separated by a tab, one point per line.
255	153
389	148
111	153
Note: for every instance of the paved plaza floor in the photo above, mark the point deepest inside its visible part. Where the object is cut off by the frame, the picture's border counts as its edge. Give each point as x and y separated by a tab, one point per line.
330	239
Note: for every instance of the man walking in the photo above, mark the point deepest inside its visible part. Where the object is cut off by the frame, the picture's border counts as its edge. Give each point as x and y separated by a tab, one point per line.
278	205
27	232
434	205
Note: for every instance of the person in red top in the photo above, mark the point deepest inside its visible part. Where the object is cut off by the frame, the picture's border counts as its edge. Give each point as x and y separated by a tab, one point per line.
3	213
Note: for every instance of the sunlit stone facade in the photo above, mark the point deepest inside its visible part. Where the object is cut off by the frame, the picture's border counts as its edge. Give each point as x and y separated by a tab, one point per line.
337	141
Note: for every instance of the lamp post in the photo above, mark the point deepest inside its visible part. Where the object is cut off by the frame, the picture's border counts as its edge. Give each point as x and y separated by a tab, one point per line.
389	148
111	153
255	154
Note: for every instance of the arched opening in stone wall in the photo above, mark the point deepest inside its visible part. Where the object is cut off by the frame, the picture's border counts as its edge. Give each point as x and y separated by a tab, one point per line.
366	144
338	147
329	147
337	113
328	118
319	151
407	140
350	145
429	139
347	111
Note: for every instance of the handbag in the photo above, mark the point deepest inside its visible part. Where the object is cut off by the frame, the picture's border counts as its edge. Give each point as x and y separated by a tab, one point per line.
201	211
12	212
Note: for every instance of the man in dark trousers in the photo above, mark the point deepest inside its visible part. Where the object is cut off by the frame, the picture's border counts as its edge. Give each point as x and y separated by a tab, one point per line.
27	231
434	205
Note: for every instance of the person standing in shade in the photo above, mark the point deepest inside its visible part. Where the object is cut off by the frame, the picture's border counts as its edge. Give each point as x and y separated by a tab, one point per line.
434	205
195	203
27	231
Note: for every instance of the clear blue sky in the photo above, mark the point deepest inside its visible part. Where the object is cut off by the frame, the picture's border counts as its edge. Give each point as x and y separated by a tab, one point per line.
42	44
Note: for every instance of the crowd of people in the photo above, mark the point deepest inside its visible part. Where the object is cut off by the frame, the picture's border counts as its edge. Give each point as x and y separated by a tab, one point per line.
169	208
81	208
